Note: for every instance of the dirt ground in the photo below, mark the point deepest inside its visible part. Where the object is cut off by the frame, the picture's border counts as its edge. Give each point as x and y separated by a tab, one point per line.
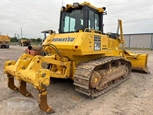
133	97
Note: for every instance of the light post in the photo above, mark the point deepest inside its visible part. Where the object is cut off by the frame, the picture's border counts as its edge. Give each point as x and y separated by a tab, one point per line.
21	32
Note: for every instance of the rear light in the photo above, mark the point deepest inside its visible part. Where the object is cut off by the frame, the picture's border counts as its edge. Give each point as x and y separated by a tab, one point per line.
76	47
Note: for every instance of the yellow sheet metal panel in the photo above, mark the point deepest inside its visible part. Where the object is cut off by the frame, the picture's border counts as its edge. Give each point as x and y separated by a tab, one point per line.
62	41
82	43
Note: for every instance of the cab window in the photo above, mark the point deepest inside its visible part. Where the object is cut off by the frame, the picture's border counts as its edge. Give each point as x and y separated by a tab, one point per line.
93	22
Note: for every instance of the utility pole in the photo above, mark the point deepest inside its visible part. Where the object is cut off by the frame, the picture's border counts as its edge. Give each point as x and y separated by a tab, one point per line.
15	37
18	36
62	2
21	32
151	42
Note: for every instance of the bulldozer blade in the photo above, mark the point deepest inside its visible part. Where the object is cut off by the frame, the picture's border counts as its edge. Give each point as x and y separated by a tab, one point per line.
139	61
11	83
23	90
43	102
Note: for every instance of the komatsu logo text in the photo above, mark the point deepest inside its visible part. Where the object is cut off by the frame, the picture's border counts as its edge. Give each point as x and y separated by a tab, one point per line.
63	39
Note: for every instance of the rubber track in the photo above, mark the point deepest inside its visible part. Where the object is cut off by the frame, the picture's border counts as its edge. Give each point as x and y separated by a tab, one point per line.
83	73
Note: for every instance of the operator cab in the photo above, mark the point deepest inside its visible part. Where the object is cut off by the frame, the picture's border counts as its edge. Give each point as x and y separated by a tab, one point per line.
81	16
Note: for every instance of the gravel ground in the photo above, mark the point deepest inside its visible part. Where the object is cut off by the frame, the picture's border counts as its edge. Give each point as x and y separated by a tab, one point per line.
133	97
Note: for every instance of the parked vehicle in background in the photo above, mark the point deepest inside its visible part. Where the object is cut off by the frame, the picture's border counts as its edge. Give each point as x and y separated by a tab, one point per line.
25	42
4	41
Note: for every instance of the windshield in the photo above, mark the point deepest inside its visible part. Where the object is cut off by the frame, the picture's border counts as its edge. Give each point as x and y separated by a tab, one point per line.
72	21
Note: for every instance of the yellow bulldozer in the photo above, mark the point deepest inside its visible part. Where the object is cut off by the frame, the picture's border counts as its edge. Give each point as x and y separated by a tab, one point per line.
81	51
4	41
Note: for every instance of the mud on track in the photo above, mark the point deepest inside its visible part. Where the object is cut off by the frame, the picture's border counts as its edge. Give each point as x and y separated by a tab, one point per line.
133	97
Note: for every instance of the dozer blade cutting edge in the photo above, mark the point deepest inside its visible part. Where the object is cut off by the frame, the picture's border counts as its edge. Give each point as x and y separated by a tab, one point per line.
139	61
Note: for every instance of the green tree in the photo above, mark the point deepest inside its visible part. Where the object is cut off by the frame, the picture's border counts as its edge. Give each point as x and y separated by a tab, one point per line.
33	39
38	40
13	39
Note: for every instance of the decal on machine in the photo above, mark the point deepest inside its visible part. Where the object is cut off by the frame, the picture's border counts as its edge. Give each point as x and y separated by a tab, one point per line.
63	39
97	43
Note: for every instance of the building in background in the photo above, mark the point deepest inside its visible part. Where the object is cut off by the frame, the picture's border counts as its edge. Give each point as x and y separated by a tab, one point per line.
139	40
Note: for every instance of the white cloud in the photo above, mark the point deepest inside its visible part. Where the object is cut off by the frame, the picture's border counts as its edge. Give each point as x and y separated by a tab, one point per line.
35	16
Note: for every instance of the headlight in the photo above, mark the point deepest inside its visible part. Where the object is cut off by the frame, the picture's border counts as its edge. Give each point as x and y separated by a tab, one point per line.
76	4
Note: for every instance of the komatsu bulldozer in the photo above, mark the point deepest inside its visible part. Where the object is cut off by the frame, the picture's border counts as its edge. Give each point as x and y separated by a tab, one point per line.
80	51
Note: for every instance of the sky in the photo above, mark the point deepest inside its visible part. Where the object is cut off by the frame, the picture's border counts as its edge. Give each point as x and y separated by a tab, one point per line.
34	16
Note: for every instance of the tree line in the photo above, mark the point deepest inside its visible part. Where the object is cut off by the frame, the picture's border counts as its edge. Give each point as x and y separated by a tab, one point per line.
14	39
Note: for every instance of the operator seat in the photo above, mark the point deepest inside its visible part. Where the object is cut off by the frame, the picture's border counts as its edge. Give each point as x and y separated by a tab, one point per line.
78	25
